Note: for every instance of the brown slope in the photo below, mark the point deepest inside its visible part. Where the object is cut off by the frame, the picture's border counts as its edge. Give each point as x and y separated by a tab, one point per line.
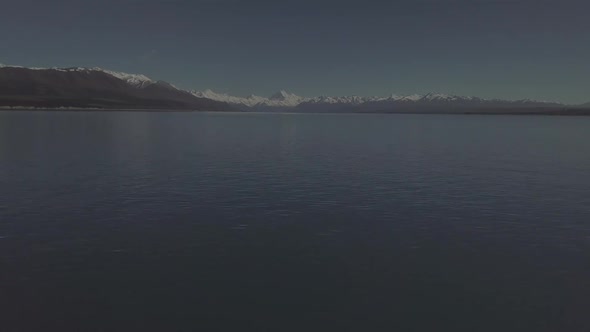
91	88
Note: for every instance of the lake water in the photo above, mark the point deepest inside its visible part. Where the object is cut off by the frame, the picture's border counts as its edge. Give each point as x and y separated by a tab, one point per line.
284	222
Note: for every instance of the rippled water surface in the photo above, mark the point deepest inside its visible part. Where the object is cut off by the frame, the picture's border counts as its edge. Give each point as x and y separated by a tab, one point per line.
283	222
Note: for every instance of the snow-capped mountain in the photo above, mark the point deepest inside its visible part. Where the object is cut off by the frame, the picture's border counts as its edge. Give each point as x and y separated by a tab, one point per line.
431	103
93	87
283	100
279	99
101	88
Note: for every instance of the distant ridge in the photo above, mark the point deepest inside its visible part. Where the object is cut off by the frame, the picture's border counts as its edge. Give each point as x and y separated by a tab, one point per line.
431	103
93	88
97	88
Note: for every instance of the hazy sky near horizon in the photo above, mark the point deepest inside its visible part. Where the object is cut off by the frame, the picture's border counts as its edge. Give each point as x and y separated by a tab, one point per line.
511	49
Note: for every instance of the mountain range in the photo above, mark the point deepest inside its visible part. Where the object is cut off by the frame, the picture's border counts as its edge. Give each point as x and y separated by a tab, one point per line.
93	88
431	102
78	87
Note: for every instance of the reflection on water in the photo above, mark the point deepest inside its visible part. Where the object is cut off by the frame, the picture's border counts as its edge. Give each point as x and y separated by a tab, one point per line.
192	221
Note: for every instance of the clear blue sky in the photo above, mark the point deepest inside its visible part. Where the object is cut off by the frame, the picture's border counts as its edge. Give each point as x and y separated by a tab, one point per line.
490	48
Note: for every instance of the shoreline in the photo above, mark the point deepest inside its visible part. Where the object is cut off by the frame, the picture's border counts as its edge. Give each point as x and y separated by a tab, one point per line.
559	112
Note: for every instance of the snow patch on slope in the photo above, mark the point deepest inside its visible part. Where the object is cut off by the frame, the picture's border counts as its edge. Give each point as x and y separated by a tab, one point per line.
136	80
279	99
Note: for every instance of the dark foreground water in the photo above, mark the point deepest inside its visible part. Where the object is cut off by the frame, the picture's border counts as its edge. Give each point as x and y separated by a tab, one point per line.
279	222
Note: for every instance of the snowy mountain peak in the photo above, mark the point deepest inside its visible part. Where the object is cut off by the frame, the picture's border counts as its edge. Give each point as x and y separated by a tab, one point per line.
283	95
284	98
414	97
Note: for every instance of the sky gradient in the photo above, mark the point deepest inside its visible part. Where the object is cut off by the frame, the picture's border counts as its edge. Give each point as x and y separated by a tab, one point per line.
513	49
